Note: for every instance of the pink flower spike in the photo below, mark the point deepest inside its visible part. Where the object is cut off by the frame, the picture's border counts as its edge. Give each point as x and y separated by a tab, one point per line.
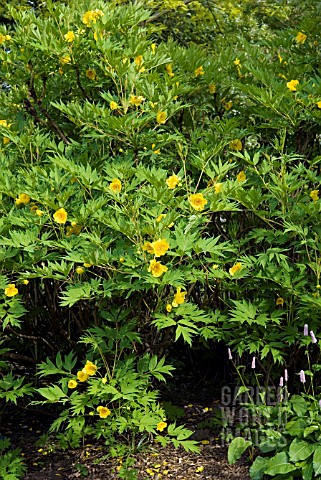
281	382
253	363
314	340
306	330
320	403
302	376
229	354
286	375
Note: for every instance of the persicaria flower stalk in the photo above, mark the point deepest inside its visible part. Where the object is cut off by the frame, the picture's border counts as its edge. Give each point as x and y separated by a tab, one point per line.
281	382
306	330
253	363
285	375
302	376
229	354
314	340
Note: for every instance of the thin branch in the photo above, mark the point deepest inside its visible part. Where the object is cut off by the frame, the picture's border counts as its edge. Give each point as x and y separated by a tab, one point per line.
163	12
34	338
214	16
16	357
81	88
51	121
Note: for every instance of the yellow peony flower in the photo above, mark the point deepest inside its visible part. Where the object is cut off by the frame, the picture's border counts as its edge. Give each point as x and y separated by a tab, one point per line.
179	297
169	70
169	308
236	144
160	247
39	212
22	198
197	201
3	123
156	268
237	62
104	380
139	60
292	85
156	152
115	185
161	117
172	181
60	216
11	290
88	18
300	38
90	368
314	195
91	17
87	265
279	301
80	270
82	376
73	230
199	71
91	74
104	412
72	384
218	187
25	282
241	177
147	247
153	48
227	105
65	59
319	104
160	217
113	105
6	140
161	426
236	268
3	38
134	100
212	88
69	36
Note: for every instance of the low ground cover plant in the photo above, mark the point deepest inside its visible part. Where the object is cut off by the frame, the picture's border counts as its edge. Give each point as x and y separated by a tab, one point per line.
288	427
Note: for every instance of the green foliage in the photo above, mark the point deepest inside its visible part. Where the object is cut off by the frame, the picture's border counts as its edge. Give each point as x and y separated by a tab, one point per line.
289	433
94	133
112	394
154	191
12	388
236	449
12	466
